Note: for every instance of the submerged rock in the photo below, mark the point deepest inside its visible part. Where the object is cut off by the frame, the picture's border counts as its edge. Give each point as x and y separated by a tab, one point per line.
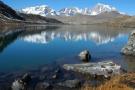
70	83
21	84
26	78
43	86
55	76
85	56
105	68
129	49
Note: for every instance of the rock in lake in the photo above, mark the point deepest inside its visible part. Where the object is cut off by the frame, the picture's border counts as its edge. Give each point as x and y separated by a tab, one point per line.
129	49
70	83
105	68
85	56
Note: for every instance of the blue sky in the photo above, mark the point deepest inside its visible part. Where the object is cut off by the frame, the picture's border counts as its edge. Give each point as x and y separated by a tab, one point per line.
127	6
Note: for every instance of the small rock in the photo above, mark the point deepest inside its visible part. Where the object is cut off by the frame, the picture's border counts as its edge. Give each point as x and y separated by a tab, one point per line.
54	76
85	56
43	86
57	70
70	83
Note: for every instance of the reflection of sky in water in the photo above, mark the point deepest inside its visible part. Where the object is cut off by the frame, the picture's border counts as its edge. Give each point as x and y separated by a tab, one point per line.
33	50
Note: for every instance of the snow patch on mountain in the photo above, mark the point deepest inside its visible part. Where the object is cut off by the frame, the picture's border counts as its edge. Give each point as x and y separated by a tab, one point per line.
69	11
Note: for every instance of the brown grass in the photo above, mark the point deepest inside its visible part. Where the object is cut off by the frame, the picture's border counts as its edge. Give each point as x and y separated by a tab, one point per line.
123	82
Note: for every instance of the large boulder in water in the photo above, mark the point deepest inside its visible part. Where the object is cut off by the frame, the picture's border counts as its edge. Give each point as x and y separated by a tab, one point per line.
129	49
85	56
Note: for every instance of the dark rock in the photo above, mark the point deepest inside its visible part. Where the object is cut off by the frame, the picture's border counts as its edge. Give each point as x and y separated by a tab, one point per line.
85	56
43	86
70	83
26	78
109	71
42	77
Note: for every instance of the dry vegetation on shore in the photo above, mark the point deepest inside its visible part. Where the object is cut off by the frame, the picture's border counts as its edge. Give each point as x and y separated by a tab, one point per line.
122	82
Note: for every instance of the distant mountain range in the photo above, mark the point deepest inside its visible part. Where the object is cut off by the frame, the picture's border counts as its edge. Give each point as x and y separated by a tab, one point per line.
100	14
45	10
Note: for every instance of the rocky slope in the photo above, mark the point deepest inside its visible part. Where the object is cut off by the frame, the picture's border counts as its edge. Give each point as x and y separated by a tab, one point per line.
31	18
8	12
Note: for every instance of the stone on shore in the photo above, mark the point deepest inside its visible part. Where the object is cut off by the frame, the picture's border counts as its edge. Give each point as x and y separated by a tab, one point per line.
129	49
85	56
105	68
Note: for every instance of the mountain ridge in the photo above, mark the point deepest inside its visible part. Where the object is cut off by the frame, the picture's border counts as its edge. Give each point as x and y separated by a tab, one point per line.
45	10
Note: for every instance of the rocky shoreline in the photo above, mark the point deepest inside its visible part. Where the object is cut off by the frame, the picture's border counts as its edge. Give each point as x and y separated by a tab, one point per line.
48	78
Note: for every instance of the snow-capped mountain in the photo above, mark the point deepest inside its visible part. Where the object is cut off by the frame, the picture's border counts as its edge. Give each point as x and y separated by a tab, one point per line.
45	10
42	10
100	8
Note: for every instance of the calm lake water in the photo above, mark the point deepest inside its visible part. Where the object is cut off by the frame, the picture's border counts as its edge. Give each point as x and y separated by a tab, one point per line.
31	47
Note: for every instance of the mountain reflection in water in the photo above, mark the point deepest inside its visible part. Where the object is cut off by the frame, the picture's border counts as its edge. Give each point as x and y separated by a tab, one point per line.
45	37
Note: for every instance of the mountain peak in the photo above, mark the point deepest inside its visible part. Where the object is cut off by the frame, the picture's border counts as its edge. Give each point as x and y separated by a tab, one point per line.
101	8
42	10
105	6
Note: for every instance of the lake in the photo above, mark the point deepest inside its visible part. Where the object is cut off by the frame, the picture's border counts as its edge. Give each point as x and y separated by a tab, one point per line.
30	47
